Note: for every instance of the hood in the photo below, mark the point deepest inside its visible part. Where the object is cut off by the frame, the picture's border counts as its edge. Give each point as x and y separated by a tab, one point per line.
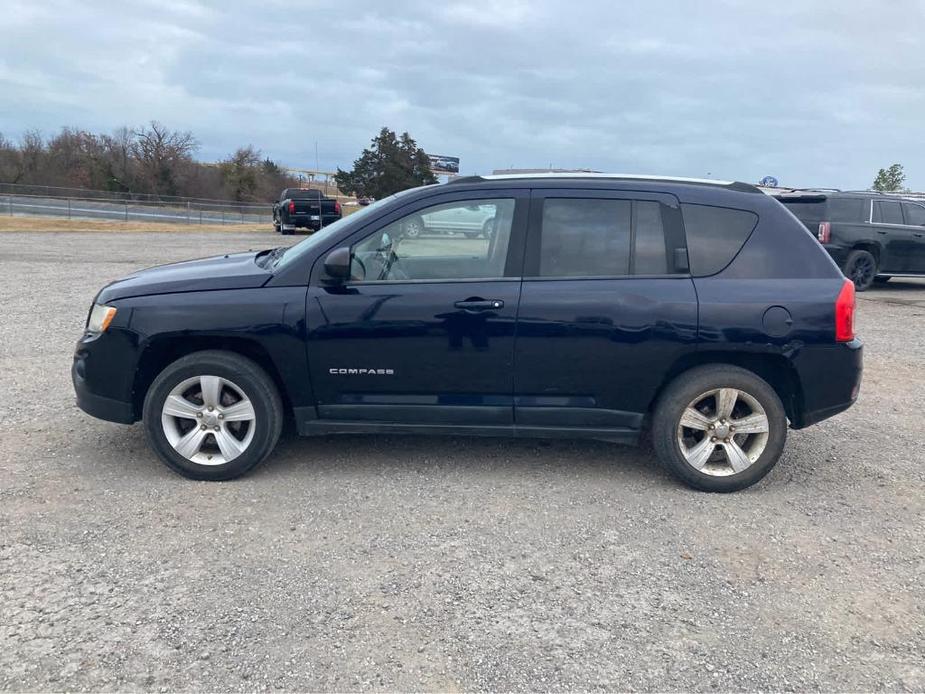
235	271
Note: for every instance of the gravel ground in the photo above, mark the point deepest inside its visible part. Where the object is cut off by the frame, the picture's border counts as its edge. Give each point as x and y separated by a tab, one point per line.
443	564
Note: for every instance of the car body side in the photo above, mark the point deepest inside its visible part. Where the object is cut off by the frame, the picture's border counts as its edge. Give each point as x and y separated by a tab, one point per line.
767	311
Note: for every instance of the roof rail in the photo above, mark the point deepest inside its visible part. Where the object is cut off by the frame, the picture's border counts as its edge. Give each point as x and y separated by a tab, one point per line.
732	185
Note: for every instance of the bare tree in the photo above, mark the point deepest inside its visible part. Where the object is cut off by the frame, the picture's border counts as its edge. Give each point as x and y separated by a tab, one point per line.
164	156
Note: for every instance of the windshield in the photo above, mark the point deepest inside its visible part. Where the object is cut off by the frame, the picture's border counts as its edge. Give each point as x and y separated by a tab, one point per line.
323	236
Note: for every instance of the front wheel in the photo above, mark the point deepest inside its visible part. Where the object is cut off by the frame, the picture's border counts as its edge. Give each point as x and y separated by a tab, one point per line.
212	415
861	268
719	428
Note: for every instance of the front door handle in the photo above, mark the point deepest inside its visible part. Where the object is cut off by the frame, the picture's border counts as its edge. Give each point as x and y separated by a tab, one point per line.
881	232
475	304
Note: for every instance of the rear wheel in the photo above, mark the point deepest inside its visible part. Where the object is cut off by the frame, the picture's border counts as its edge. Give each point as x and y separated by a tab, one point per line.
719	428
861	268
413	227
212	415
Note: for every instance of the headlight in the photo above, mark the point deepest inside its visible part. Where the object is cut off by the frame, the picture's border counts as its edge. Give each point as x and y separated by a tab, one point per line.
100	318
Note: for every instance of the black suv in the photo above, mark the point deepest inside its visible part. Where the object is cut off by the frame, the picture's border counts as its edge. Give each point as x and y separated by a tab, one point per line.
699	313
872	236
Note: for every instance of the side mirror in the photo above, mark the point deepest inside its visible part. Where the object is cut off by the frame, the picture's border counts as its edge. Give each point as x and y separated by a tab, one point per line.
337	264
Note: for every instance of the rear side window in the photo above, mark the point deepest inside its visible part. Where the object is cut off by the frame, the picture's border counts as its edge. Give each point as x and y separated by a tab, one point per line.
591	237
715	235
584	238
915	214
887	212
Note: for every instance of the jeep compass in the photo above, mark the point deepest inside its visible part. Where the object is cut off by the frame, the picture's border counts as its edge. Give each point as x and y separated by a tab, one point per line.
700	314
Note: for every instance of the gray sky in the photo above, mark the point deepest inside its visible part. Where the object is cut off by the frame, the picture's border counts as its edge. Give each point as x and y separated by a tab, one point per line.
814	93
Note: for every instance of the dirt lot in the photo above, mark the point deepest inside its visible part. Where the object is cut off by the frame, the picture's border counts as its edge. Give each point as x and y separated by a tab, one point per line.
415	563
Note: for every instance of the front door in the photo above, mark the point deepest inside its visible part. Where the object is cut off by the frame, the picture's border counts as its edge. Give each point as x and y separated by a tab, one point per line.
423	332
607	308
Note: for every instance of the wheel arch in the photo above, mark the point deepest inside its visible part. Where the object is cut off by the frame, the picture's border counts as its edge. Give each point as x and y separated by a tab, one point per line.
162	351
775	369
871	247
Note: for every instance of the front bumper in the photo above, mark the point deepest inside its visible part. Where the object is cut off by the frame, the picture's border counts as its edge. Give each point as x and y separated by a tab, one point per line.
94	404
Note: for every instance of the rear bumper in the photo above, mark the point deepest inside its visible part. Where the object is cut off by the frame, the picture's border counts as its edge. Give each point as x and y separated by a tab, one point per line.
830	376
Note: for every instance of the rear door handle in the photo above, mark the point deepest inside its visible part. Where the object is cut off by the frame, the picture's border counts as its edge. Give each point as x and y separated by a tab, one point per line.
479	304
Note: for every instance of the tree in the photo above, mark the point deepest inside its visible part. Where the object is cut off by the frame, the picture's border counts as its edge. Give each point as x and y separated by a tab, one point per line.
890	180
390	165
241	172
164	157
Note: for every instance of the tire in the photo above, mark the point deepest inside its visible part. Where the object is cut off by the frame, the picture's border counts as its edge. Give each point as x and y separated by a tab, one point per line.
413	227
861	268
248	439
488	227
287	232
472	234
754	398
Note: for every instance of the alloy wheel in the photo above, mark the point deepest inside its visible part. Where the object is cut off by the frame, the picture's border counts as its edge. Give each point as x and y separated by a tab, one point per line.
208	420
723	432
862	271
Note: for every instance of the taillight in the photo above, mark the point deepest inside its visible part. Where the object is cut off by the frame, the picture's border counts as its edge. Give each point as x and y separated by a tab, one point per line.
292	207
844	313
825	232
336	207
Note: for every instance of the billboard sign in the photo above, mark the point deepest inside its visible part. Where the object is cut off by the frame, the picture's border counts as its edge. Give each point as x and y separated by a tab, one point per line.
440	164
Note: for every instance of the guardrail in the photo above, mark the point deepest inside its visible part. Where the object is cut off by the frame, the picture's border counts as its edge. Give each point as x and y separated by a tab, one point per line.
190	212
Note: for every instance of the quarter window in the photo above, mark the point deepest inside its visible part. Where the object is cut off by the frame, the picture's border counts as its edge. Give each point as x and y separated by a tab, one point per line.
715	235
452	241
596	237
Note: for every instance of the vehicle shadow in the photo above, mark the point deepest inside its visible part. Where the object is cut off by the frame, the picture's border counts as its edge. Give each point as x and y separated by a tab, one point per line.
471	456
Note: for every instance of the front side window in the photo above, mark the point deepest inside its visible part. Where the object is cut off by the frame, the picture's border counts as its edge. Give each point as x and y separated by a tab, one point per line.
453	241
887	212
915	214
594	237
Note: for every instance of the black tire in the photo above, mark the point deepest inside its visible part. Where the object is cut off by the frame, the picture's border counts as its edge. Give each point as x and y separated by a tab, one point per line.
861	268
246	375
287	232
488	227
685	389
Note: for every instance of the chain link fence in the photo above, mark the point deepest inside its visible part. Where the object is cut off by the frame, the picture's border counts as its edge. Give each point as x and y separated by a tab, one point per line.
72	203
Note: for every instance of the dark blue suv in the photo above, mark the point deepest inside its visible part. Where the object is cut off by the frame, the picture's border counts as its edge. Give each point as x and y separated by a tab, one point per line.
700	313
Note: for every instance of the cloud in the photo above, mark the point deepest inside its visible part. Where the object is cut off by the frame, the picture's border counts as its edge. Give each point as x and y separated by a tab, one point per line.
812	92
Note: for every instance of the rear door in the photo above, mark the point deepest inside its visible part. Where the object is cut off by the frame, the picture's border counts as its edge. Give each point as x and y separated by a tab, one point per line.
899	243
606	307
914	215
423	332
